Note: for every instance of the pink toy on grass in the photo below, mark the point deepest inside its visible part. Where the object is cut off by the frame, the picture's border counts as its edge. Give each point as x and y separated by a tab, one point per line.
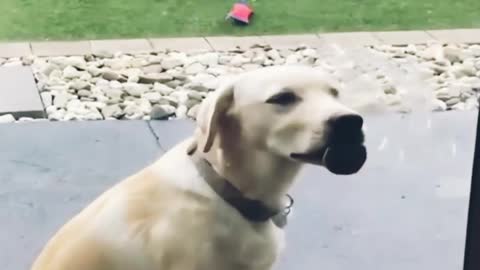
241	12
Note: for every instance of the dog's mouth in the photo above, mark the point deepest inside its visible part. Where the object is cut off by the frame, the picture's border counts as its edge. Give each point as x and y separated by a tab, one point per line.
342	159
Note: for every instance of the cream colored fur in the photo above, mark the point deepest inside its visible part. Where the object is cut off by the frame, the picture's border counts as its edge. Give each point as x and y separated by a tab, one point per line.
166	217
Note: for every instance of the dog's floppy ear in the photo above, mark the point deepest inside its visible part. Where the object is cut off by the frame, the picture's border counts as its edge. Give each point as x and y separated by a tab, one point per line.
210	113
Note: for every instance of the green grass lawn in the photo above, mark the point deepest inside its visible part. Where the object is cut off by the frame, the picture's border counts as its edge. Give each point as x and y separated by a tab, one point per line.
80	19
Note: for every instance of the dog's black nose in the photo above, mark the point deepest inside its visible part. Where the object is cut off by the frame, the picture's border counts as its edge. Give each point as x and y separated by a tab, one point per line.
349	122
346	128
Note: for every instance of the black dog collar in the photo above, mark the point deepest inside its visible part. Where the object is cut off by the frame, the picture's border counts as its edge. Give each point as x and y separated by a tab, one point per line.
252	210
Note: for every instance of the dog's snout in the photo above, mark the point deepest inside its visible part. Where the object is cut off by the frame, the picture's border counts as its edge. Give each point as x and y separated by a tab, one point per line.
346	128
347	122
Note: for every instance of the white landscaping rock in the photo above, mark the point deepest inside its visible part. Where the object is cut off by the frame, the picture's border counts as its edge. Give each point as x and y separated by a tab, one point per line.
134	89
117	64
462	70
259	59
474	50
94	71
56	114
6	118
113	93
84	93
453	54
155	59
471	104
438	106
238	60
135	116
73	61
452	101
460	106
172	84
132	108
61	99
293	59
433	52
112	84
26	119
208	59
13	64
181	112
112	111
249	67
274	54
163	89
79	85
310	53
193	111
152	97
155	68
133	78
198	96
171	62
225	60
155	77
160	112
194	68
71	73
199	87
113	76
46	98
103	54
144	105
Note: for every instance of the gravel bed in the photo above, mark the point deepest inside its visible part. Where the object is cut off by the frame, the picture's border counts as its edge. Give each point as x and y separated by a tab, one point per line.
172	84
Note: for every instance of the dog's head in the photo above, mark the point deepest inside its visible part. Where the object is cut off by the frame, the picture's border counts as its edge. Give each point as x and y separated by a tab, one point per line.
293	112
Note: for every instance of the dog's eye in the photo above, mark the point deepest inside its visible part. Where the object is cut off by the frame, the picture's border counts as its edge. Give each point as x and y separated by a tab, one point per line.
284	98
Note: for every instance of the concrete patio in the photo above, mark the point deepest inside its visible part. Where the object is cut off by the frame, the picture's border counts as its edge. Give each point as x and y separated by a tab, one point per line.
407	209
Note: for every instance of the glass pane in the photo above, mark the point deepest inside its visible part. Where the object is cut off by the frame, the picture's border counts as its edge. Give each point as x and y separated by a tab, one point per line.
405	209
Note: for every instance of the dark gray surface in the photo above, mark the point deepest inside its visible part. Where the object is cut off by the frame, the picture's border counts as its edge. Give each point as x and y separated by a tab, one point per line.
406	209
172	131
49	171
18	93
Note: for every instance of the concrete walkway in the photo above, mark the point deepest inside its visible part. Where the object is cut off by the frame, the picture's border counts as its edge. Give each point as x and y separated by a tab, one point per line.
222	43
407	209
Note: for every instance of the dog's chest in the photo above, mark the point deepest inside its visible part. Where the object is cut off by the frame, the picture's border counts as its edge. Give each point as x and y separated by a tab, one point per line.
243	245
188	234
221	240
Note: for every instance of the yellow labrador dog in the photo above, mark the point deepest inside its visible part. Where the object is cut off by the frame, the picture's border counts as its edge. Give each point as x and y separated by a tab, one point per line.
216	200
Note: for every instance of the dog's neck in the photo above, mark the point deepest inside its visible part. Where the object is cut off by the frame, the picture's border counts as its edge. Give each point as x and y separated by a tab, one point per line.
257	174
